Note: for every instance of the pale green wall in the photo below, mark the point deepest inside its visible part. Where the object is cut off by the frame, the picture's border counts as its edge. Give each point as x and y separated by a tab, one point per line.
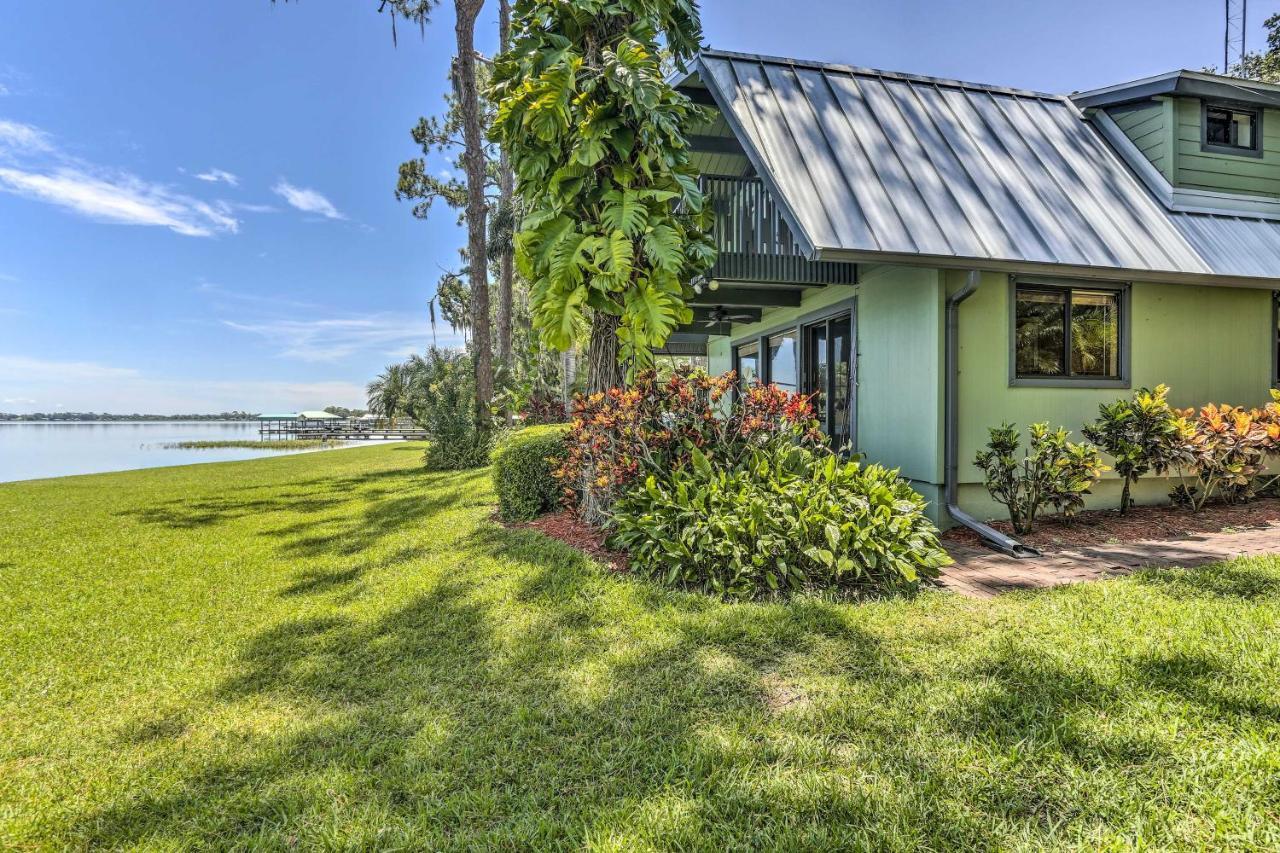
1209	344
812	299
899	367
1149	126
1197	169
900	370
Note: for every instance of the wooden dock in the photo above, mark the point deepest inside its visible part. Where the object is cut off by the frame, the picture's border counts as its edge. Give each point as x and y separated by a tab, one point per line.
339	429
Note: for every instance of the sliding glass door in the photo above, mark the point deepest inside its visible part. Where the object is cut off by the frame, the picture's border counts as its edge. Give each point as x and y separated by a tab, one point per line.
828	375
813	356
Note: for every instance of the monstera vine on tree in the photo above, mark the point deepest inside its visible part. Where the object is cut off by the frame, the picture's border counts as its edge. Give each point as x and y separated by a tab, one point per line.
614	221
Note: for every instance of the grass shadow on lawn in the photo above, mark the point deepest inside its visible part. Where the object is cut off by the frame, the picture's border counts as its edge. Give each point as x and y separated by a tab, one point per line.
525	698
1230	582
497	712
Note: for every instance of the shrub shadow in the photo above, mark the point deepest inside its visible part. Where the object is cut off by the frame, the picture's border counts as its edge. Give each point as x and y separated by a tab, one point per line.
1227	581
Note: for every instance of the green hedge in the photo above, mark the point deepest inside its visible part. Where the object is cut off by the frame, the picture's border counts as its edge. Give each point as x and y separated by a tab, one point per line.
523	462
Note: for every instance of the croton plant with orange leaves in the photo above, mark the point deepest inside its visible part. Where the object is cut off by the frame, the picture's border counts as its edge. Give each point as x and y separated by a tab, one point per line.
1226	451
650	426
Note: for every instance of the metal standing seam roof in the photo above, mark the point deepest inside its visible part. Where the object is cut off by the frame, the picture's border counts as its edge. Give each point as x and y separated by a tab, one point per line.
876	163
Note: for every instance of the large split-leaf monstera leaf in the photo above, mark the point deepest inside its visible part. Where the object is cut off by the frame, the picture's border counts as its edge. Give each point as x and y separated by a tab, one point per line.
615	219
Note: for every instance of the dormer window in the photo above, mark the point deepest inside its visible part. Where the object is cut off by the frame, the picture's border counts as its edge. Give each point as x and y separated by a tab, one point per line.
1232	130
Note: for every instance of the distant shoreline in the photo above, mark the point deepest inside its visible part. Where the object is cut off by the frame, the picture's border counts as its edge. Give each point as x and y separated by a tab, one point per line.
104	417
127	420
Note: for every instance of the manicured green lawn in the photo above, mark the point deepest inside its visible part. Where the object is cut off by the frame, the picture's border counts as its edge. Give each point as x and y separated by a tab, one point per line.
339	650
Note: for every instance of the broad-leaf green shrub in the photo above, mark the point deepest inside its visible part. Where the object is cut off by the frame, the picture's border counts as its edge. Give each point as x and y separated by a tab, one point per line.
524	464
1142	434
441	400
784	516
1053	472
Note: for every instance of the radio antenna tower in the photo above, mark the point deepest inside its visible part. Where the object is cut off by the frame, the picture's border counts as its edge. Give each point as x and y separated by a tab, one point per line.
1233	41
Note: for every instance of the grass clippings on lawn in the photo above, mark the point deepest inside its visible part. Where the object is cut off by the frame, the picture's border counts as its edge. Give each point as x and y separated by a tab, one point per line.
341	650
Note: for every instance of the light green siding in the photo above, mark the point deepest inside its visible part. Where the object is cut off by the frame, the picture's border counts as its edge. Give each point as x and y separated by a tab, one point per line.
900	371
1209	344
899	367
1196	169
1150	127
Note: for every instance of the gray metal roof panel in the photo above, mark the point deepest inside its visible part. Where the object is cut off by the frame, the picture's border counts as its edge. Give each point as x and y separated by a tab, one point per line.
876	162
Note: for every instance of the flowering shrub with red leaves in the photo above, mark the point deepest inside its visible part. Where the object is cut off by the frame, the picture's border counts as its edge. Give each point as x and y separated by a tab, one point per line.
616	435
540	409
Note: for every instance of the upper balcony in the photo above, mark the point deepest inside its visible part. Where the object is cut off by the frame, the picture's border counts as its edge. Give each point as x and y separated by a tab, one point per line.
754	241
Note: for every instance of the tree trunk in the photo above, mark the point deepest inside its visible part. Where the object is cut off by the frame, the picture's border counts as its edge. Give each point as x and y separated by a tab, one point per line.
473	157
506	193
1124	497
603	369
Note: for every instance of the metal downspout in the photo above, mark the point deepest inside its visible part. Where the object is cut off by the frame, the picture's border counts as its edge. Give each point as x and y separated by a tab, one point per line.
951	452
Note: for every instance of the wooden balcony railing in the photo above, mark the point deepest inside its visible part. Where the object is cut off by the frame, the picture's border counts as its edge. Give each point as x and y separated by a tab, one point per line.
755	242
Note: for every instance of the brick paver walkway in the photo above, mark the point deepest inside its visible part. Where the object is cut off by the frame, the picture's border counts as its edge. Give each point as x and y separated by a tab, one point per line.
983	573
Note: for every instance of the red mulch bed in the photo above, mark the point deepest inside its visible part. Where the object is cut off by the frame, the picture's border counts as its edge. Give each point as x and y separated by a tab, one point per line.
574	532
1108	527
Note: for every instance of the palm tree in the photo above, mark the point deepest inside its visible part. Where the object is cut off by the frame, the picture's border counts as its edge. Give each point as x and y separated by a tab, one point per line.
388	393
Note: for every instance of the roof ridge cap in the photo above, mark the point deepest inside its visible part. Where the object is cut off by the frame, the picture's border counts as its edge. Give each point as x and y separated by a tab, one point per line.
865	71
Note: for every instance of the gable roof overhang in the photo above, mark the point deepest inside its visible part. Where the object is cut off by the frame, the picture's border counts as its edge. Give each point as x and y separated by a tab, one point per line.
873	166
1183	84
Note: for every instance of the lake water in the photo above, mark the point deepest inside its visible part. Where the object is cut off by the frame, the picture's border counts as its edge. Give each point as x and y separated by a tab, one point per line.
30	450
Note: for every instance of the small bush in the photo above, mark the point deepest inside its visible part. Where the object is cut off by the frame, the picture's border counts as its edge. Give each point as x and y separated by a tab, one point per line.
785	516
441	399
1053	472
1226	449
1141	435
524	463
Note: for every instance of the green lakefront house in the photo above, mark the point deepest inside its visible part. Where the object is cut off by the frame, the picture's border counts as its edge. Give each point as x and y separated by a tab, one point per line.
935	257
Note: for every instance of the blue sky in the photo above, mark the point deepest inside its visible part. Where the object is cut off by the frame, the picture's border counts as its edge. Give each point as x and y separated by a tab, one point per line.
196	198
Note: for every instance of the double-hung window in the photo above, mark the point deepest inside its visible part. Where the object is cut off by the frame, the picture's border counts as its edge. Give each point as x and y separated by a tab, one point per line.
1068	333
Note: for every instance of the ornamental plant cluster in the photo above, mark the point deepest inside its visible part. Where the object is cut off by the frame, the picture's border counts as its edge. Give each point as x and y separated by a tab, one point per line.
1220	452
739	497
614	219
616	436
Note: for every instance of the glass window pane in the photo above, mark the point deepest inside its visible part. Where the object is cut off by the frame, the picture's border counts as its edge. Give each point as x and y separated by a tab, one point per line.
1217	129
1038	342
1243	129
748	364
841	383
1232	128
1095	333
818	374
782	360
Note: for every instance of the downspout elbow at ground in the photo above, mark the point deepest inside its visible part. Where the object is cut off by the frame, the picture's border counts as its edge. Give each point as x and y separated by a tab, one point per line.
951	450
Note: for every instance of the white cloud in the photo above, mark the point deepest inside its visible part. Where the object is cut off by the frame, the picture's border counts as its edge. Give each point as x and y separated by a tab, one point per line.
333	339
218	292
18	137
33	167
306	200
17	368
121	198
214	176
28	384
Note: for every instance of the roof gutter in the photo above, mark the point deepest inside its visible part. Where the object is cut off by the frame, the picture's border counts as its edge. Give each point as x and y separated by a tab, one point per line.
951	464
